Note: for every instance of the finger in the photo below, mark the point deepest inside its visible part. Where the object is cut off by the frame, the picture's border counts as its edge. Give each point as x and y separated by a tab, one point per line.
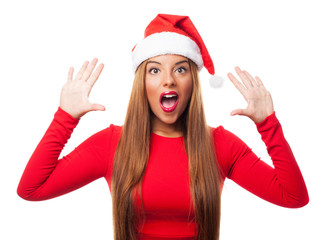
259	82
239	112
252	80
82	70
97	107
70	74
89	70
243	77
96	74
237	84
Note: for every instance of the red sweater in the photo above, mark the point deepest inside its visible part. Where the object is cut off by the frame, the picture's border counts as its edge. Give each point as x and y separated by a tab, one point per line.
165	189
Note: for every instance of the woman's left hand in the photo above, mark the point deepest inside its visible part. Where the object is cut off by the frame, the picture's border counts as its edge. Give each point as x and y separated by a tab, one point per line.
260	104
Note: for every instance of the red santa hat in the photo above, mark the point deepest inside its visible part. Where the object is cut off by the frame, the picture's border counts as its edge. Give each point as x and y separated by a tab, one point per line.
172	34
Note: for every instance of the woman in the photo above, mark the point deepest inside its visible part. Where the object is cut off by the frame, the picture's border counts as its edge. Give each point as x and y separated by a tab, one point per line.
165	167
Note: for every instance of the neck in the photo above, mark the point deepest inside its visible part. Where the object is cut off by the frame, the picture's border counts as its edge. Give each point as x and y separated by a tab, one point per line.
166	130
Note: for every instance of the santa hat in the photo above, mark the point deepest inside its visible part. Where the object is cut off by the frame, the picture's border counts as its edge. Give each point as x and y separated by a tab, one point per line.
172	34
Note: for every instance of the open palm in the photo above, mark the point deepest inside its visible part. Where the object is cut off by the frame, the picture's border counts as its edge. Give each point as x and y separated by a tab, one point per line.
74	95
260	104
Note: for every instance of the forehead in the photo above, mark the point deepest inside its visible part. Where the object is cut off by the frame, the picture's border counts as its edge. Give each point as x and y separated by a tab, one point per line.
168	58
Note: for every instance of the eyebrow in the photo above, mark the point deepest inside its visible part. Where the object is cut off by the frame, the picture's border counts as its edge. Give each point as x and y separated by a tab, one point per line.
183	61
153	62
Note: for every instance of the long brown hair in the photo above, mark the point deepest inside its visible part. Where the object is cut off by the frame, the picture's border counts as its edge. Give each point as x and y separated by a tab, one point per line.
132	154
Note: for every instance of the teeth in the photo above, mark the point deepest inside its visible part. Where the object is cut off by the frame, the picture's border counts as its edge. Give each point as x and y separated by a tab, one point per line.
170	95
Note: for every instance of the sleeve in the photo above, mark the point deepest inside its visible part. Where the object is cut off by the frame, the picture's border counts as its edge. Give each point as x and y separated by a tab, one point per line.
282	185
47	177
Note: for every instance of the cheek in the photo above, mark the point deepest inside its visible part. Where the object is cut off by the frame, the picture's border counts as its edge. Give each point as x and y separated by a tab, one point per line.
150	90
188	88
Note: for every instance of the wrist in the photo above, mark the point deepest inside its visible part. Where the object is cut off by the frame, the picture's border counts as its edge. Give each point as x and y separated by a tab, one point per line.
267	122
70	115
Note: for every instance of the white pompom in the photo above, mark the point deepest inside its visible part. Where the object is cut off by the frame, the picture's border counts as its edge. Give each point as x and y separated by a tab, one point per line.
216	81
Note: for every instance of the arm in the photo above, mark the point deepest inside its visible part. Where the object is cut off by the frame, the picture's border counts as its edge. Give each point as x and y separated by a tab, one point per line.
47	177
282	185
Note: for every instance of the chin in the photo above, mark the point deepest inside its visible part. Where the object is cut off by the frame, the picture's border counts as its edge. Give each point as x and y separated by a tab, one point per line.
169	120
166	118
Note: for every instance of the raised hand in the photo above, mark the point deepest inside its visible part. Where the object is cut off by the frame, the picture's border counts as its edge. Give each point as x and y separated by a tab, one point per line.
260	104
75	92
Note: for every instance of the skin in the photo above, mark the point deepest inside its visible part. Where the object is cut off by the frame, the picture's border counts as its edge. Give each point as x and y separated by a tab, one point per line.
168	73
75	93
260	104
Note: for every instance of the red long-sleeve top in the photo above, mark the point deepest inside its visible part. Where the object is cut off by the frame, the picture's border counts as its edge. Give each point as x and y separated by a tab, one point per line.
166	193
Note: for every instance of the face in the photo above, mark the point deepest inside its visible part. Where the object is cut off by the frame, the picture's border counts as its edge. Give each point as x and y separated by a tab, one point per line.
168	83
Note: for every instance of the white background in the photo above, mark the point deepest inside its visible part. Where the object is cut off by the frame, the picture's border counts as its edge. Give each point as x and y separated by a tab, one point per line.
288	44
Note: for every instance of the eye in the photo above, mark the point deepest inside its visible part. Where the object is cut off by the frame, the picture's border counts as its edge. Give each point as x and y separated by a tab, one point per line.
154	70
181	70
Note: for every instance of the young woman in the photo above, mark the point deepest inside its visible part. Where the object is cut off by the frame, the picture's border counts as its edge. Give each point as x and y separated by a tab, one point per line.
165	167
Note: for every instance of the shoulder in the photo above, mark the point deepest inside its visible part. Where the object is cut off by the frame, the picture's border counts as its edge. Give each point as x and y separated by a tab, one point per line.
220	133
228	148
225	139
105	137
113	133
115	130
112	130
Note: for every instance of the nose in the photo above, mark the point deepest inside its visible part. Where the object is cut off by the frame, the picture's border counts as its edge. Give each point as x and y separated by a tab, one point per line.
169	80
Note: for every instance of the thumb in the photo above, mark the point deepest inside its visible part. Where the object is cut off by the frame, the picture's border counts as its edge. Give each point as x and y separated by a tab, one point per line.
97	107
238	112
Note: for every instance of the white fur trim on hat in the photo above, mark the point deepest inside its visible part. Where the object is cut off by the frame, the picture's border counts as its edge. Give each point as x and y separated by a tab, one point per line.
166	43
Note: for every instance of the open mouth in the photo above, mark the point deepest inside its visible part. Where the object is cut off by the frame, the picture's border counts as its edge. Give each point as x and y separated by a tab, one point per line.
169	101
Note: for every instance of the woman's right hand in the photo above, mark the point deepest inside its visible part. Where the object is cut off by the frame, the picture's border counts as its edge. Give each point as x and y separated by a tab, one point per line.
75	92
